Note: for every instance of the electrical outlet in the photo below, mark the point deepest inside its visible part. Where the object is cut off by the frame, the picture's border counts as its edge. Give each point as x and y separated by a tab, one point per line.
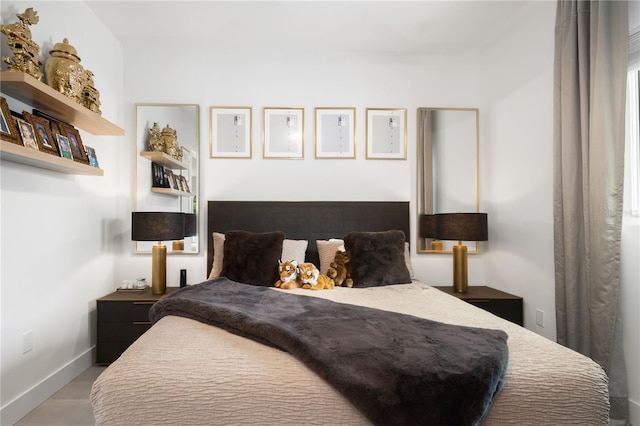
27	341
540	317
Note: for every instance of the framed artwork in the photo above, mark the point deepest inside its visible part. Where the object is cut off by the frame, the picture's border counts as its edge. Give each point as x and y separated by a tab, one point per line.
91	155
63	145
44	137
387	133
27	134
8	129
283	132
230	132
335	132
75	142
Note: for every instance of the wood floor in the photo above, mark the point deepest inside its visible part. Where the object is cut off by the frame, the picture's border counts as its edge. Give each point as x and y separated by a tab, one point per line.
70	406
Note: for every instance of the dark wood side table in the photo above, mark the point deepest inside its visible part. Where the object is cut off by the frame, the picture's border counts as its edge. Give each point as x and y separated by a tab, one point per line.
123	316
497	302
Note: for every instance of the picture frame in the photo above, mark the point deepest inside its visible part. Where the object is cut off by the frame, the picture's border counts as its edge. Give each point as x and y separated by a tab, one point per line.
63	146
387	133
75	142
185	184
8	129
44	137
91	155
283	132
335	132
230	132
158	176
27	133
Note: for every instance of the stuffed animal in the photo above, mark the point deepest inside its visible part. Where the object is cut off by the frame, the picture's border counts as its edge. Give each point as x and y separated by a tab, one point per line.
289	277
312	279
338	270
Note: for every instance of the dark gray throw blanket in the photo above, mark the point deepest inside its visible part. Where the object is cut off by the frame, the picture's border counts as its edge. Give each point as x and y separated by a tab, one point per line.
397	369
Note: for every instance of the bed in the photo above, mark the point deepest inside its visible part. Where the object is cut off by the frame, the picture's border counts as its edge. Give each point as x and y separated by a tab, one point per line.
185	371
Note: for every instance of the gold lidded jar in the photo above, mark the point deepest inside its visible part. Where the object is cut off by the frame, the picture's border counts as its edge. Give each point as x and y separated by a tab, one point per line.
64	72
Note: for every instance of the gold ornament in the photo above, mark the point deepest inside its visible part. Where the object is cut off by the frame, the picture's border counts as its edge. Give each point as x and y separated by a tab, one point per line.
155	140
64	72
170	141
90	95
26	53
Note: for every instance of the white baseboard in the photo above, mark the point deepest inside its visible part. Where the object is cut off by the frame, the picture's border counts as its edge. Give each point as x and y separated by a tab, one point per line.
25	403
634	413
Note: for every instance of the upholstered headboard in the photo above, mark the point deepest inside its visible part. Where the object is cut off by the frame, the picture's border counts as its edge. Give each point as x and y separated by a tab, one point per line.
305	220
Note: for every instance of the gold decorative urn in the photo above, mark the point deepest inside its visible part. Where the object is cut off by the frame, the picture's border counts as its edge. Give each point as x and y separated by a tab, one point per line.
170	139
64	72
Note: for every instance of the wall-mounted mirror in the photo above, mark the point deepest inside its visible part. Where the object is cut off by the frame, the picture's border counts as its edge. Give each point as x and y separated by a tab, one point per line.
448	168
166	157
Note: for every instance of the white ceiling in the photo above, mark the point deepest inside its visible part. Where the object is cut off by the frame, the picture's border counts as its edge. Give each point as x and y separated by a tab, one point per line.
368	26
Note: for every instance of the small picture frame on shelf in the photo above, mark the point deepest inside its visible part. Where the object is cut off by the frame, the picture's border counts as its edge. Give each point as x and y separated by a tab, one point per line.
387	133
91	155
335	132
158	179
8	129
283	132
44	138
27	134
63	145
75	142
230	132
185	184
168	175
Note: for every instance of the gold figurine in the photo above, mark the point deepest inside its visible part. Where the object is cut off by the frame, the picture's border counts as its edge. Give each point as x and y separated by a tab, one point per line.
90	95
155	140
26	53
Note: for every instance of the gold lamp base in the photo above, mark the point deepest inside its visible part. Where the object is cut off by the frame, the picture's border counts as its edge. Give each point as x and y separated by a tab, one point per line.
460	275
177	245
159	268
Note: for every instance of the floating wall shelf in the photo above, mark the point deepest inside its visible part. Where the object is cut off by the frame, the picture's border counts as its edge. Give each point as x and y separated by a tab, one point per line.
40	96
163	159
31	157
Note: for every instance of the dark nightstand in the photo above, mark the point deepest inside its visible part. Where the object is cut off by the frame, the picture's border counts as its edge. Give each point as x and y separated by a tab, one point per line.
123	316
497	302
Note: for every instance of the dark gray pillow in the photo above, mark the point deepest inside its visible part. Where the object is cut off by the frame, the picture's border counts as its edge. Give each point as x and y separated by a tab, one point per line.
252	258
376	258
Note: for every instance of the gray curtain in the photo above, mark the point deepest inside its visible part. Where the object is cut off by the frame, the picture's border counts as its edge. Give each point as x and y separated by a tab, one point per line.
591	45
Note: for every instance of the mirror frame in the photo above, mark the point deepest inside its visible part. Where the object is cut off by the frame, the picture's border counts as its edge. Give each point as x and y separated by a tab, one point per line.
192	202
425	183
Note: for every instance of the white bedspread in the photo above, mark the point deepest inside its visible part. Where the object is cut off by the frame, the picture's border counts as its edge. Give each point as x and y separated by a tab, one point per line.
184	372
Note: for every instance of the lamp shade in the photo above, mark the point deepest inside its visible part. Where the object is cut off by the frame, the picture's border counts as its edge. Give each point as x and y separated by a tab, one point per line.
190	224
157	226
461	226
427	226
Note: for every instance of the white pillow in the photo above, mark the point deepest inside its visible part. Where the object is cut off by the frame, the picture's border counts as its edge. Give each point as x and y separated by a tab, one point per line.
291	250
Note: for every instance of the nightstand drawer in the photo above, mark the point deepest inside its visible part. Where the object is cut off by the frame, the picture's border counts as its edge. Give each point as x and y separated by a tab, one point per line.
504	305
508	309
124	311
121	331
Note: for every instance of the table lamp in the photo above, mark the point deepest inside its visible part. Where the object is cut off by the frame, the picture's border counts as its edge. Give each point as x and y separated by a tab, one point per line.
157	226
428	230
461	227
190	229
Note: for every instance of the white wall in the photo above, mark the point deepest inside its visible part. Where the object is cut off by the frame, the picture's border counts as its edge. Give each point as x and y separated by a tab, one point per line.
260	78
58	240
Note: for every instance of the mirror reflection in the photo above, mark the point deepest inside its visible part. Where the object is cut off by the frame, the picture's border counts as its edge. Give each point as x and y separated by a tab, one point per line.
447	172
166	152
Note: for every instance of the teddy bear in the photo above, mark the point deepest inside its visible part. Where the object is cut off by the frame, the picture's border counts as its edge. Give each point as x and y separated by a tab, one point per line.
338	270
289	277
312	279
